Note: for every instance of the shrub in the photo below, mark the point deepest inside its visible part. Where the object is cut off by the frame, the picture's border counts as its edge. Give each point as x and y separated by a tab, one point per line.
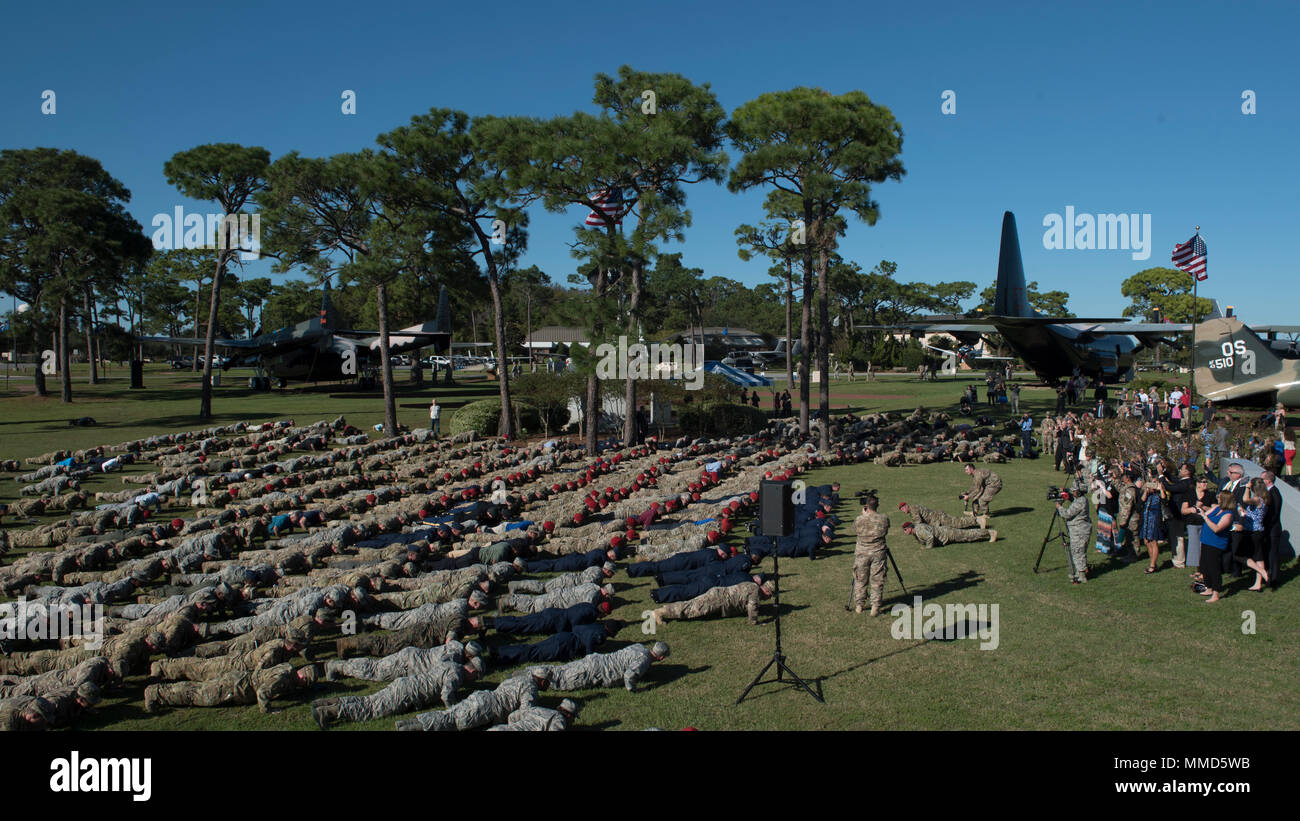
484	416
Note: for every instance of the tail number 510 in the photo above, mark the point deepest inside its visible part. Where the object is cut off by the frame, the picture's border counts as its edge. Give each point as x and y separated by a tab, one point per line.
1230	351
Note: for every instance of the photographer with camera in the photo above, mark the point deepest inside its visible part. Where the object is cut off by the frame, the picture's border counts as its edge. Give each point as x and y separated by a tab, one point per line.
869	555
1128	516
1072	507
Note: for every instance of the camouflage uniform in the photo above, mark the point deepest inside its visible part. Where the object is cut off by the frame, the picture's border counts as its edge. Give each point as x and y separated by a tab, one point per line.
985	484
483	708
931	516
438	683
626	667
928	535
452	614
405	662
429	633
270	654
591	575
1078	521
720	601
869	567
589	593
235	687
447	586
534	719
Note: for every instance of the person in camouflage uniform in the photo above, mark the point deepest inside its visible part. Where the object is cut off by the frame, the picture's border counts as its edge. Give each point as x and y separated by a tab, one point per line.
1078	523
626	667
931	516
235	687
64	704
437	682
268	654
930	535
453	614
23	713
586	592
869	558
720	601
540	719
985	484
405	662
482	708
591	575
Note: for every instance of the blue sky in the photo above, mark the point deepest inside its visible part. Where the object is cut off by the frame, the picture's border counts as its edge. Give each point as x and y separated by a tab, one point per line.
1109	108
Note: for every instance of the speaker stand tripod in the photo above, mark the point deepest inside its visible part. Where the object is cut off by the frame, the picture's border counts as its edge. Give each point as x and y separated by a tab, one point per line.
778	658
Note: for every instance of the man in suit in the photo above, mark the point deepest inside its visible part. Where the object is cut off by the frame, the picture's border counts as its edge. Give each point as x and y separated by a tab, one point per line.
1236	485
1273	527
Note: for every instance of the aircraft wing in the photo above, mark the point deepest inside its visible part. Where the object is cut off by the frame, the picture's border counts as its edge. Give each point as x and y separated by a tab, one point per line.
980	326
247	346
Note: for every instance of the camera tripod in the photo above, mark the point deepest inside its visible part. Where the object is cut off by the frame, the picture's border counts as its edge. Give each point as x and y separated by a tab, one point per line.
1065	542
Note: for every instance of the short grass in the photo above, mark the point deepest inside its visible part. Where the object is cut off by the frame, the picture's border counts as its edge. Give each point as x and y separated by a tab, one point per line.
1125	651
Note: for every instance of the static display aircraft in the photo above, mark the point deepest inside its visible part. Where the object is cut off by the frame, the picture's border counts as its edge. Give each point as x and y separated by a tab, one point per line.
1236	366
1053	347
972	355
318	350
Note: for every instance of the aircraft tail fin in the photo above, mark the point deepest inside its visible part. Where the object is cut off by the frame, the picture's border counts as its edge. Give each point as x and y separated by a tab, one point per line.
443	321
1229	354
329	316
1011	298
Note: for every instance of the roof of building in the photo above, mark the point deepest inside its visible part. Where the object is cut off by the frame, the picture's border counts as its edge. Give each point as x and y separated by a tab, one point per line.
554	334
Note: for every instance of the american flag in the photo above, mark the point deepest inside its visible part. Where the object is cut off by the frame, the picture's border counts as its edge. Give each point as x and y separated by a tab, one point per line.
1190	257
610	201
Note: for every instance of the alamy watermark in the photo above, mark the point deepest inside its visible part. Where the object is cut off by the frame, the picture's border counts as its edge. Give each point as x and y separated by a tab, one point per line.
658	360
1102	232
954	621
242	232
37	621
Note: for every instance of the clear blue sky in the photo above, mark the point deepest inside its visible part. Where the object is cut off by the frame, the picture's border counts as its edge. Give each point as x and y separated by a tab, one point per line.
1109	108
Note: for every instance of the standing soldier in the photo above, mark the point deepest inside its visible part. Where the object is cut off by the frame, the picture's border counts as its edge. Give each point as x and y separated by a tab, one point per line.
435	416
985	484
869	555
1078	523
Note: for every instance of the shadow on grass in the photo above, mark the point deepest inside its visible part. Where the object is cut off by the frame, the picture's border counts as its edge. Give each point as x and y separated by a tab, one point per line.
1010	511
968	578
661	674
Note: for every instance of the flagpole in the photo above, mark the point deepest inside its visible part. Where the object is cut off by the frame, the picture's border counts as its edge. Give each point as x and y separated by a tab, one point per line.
1195	315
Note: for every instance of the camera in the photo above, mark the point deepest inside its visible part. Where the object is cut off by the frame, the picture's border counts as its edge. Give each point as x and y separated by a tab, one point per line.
1056	494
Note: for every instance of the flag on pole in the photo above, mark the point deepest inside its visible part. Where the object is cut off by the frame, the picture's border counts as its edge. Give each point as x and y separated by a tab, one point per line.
608	201
1190	257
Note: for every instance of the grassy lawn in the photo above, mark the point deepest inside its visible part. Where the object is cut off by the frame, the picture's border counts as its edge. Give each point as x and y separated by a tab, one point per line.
1125	651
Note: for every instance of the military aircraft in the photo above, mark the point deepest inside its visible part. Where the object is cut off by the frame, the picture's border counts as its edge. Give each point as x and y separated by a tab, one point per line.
318	350
973	355
1236	366
1053	347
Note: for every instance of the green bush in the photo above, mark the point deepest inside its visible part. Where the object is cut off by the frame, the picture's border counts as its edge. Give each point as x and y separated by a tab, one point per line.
484	417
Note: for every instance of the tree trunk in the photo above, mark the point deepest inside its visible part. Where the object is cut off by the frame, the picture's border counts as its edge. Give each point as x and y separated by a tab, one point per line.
39	373
205	399
90	338
806	330
65	360
390	399
198	295
823	349
629	388
506	427
789	322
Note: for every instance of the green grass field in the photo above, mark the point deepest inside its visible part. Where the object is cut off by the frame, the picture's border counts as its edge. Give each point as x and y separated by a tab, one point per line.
1125	651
